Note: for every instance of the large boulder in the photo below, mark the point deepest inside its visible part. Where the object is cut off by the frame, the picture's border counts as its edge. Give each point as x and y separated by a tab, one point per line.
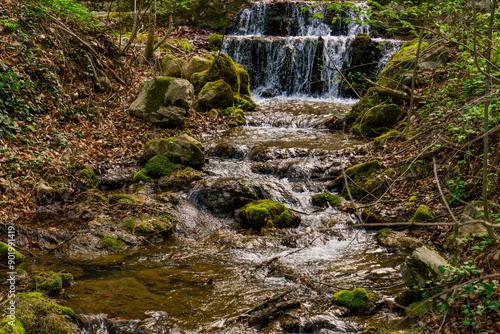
164	101
377	120
183	150
421	266
171	66
194	65
223	68
267	213
216	94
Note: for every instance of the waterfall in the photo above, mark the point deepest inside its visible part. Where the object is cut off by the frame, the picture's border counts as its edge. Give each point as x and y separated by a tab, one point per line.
290	51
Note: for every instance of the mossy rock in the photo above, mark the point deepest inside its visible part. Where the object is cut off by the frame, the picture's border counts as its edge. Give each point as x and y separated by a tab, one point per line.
180	178
366	183
52	283
159	166
171	66
90	177
194	65
377	120
92	196
268	213
141	176
36	314
371	218
326	199
390	136
121	199
147	225
184	150
244	102
5	255
215	42
357	300
112	244
164	101
422	214
216	94
382	233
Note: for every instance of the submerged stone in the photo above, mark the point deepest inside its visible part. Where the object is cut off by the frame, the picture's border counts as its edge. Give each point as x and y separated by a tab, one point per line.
267	213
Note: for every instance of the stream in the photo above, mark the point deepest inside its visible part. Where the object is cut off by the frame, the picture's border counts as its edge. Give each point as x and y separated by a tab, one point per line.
213	271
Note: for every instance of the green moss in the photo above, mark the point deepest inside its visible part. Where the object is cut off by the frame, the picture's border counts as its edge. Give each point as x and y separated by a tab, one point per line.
231	124
267	213
244	102
377	120
156	92
389	172
6	328
412	199
326	199
159	166
182	44
112	244
418	309
91	196
422	214
90	177
215	42
4	253
382	233
147	225
390	135
227	111
357	300
39	315
365	180
51	282
121	198
142	176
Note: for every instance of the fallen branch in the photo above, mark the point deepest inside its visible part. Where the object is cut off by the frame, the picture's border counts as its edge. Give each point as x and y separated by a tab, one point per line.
392	92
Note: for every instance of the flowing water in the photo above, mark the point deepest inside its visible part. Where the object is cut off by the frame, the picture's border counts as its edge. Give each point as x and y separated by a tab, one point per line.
212	272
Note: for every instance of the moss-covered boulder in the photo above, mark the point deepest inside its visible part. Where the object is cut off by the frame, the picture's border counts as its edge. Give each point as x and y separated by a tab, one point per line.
92	196
377	120
171	66
223	68
52	283
357	300
326	199
423	265
267	213
164	101
215	42
36	314
366	183
216	94
422	214
9	253
183	150
194	65
180	178
159	166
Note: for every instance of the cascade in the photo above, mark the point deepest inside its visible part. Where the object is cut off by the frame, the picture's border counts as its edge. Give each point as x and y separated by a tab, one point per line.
293	49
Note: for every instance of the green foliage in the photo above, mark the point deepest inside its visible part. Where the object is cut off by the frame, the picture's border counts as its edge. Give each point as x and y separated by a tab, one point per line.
72	11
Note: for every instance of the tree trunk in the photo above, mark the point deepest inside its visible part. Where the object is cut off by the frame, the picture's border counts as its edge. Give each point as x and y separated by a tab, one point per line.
148	50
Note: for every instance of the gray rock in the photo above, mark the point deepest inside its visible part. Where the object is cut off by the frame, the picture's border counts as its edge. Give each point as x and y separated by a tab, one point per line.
164	101
422	266
399	241
183	150
194	65
225	195
171	66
